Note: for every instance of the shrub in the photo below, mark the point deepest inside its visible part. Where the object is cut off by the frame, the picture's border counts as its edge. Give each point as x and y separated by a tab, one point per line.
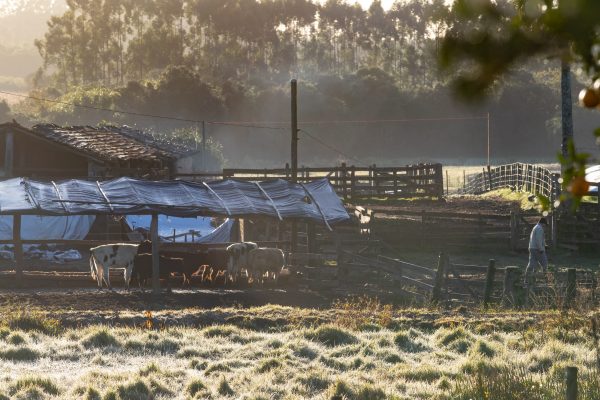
315	382
331	336
224	389
15	339
305	351
268	365
340	390
91	394
100	339
197	364
195	387
28	321
368	392
217	367
221	331
137	390
19	354
149	369
34	382
483	348
407	344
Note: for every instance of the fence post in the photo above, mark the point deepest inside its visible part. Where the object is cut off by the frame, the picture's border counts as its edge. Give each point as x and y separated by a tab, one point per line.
352	182
343	175
510	279
18	249
489	282
571	287
155	257
440	181
514	231
436	293
571	383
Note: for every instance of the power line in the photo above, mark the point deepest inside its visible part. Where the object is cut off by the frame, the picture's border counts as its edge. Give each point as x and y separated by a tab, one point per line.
255	124
372	121
330	147
236	124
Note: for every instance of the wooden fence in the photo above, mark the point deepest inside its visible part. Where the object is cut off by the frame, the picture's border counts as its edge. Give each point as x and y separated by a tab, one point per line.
521	177
453	283
423	180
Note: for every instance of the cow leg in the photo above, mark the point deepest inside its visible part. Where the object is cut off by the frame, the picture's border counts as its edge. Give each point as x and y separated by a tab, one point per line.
99	274
107	277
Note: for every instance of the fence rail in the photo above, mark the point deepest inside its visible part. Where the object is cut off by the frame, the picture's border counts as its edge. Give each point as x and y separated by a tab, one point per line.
522	177
422	180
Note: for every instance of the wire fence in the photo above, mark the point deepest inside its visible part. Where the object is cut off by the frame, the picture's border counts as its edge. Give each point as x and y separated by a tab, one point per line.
517	176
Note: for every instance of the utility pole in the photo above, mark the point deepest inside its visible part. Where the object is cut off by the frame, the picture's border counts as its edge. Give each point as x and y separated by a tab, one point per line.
204	146
294	90
488	139
567	106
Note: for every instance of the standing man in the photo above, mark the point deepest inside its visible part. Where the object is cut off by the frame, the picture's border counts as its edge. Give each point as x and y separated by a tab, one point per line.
537	249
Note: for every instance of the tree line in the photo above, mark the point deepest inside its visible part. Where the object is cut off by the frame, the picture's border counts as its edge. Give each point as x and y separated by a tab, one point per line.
232	60
111	42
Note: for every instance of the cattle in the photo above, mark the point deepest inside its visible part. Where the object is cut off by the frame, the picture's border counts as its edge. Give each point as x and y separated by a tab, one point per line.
238	258
192	262
217	261
119	255
265	260
142	267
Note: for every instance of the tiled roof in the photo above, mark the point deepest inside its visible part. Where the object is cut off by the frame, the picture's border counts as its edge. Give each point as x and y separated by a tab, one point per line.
105	143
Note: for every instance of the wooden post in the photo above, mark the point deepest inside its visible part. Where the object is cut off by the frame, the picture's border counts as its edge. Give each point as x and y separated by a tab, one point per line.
242	230
436	294
571	287
554	228
571	383
510	279
338	249
447	184
155	256
343	175
489	283
9	154
311	241
18	249
514	231
353	182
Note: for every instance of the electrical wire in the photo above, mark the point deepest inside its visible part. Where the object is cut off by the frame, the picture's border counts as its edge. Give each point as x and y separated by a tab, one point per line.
236	124
330	147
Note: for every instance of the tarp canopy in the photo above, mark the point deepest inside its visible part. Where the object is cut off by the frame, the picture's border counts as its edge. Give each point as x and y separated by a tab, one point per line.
74	227
167	226
315	201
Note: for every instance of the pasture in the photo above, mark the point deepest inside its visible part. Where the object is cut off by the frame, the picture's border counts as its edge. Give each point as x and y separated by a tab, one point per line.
358	349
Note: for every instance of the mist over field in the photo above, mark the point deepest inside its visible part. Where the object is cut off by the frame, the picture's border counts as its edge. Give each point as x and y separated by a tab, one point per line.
369	84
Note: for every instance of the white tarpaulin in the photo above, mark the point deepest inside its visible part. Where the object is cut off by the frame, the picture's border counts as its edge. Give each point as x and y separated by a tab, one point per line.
167	226
72	227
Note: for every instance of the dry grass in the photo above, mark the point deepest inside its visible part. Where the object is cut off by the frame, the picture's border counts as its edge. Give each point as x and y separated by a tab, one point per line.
410	354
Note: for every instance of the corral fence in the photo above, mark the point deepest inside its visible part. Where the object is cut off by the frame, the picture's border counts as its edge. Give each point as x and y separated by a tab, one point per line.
351	182
521	177
450	283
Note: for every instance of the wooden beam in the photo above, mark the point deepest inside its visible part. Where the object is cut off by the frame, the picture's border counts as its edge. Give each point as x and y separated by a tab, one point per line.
155	256
9	141
18	249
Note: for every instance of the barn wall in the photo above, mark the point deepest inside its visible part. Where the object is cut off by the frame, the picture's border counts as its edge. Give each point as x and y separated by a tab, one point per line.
37	158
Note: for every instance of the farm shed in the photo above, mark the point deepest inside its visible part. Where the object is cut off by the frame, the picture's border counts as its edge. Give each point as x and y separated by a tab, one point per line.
312	202
50	151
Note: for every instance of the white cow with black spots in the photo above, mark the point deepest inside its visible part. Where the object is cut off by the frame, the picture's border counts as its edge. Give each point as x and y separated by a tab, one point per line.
119	255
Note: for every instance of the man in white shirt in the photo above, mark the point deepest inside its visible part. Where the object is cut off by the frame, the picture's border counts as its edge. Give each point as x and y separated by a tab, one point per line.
537	249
